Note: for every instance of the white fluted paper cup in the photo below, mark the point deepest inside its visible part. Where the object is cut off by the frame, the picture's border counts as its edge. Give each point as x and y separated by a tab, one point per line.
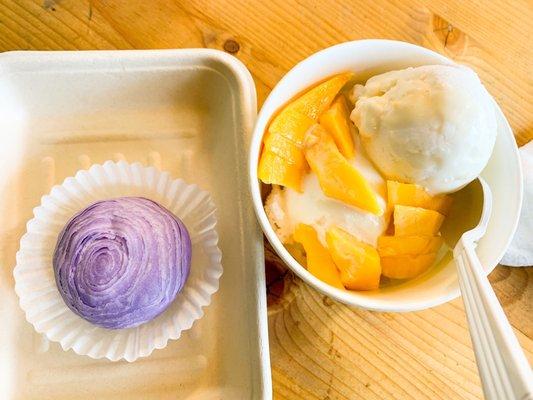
34	274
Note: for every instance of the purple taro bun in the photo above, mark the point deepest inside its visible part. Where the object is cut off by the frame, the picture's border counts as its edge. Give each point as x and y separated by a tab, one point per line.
120	263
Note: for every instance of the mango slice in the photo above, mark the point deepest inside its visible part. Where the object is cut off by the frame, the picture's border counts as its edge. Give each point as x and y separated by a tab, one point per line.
405	267
319	261
318	99
407	194
275	170
408	245
358	262
284	148
285	135
337	177
290	124
336	120
416	221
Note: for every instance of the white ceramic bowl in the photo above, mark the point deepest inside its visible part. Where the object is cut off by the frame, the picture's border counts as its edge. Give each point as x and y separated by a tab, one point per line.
439	285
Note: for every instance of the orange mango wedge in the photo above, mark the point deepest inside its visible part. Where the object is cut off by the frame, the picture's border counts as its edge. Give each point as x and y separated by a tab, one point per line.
284	148
407	194
336	120
389	246
407	266
282	160
276	170
416	221
358	262
337	177
290	124
318	99
319	261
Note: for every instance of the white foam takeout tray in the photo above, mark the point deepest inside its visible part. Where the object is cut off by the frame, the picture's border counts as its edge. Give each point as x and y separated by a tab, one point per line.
189	112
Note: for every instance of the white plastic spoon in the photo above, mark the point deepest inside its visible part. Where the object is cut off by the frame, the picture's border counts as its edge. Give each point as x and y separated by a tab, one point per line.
503	368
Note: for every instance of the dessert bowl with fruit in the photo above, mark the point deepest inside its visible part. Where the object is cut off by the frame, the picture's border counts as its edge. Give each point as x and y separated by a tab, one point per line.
356	159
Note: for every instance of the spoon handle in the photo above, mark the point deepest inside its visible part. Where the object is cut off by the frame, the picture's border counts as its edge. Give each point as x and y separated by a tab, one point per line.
503	368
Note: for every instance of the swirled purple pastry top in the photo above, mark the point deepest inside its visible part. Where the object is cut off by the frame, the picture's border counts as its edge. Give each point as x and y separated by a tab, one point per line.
119	263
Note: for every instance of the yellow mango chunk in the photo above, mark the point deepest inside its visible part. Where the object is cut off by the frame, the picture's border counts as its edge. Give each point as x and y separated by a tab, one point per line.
336	120
405	267
290	124
358	262
416	221
284	148
282	161
277	171
319	261
285	135
408	245
318	99
337	177
407	194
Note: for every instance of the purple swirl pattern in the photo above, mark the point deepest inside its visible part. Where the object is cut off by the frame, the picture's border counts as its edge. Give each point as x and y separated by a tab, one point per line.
119	263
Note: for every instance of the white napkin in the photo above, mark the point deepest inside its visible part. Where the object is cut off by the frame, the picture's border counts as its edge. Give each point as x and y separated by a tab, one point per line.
520	252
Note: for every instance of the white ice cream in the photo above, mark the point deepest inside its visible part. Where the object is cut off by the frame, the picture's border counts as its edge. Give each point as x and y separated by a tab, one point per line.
286	208
431	125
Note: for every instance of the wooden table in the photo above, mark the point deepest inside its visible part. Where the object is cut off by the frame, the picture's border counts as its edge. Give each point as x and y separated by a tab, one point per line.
321	349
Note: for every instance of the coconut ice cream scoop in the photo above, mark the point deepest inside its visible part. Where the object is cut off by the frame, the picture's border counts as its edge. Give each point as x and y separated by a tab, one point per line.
119	263
433	125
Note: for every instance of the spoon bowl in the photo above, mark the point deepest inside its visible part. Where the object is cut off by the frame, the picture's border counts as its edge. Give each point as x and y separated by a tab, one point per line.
466	212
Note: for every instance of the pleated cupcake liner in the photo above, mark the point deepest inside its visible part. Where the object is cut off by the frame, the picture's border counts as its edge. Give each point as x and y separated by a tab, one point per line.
35	283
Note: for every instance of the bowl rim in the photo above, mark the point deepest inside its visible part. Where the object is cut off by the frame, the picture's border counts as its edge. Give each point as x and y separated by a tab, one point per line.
354	298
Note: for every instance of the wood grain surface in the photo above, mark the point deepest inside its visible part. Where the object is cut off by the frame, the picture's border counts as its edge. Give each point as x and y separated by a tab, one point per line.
321	349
